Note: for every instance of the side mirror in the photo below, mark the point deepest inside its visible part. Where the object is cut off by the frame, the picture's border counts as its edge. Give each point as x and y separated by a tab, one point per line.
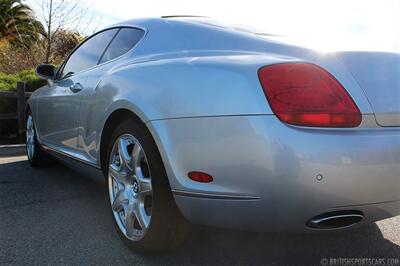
46	71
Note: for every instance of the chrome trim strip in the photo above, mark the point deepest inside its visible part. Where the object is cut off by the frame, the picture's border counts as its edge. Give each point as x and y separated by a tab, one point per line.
47	148
212	196
316	222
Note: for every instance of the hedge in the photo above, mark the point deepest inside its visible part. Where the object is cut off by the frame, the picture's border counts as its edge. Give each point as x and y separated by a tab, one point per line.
8	82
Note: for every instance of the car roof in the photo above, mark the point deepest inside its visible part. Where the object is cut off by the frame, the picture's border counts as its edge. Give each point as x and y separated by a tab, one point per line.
180	34
189	19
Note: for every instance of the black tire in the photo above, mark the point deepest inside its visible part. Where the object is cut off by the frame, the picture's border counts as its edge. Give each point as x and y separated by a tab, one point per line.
39	157
168	229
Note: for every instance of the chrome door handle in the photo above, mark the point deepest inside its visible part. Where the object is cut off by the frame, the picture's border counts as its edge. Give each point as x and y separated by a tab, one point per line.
77	87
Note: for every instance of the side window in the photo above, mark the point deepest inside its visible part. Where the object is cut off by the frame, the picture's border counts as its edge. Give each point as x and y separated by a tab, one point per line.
122	43
88	54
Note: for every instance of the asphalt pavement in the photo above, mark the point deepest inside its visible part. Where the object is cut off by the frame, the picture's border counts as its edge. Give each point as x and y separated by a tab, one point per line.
55	216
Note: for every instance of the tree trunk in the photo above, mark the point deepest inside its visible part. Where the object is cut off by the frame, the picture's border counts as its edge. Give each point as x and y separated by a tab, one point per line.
48	48
48	37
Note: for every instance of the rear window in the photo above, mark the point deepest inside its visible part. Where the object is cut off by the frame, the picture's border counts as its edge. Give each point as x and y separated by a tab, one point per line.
122	43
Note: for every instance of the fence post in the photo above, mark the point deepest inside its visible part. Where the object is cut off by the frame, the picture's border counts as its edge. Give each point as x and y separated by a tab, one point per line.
21	110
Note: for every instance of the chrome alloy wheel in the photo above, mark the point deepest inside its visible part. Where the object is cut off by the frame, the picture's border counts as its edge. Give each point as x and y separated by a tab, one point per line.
129	187
30	137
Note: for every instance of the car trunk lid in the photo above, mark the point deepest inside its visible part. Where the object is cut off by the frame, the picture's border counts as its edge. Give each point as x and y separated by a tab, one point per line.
378	74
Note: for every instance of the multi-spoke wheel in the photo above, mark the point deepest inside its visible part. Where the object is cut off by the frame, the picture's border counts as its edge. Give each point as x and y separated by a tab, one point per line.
130	187
35	154
30	137
142	204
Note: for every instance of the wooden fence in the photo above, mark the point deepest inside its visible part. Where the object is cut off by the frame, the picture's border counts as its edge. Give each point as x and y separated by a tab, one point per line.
21	97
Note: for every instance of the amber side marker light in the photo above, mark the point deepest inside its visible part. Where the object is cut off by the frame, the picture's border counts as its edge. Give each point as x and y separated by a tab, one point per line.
200	177
304	94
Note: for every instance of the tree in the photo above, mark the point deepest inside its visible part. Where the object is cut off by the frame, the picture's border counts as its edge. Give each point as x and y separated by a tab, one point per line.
63	43
62	14
18	24
14	59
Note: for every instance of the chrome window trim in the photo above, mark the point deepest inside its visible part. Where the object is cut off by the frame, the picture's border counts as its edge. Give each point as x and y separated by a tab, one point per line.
104	63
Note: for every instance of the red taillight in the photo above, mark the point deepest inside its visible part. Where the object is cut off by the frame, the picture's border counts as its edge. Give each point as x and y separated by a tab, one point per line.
200	177
306	95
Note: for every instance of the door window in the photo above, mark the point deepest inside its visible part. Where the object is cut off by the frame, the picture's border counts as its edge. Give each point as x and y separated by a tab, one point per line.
88	54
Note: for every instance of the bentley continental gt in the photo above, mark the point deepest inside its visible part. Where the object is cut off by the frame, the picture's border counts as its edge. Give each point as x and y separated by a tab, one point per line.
193	122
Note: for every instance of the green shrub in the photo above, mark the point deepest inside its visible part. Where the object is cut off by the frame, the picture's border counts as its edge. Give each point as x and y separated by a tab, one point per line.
8	82
32	81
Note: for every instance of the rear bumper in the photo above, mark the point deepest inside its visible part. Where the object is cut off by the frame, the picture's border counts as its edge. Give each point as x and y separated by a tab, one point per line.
265	172
253	216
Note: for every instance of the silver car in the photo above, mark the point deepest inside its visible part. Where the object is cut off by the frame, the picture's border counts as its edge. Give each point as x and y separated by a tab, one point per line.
196	122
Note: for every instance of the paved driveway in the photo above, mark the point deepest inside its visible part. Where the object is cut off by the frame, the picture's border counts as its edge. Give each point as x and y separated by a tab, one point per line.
55	216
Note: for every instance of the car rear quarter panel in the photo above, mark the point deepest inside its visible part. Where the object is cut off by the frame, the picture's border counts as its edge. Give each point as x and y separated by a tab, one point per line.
197	85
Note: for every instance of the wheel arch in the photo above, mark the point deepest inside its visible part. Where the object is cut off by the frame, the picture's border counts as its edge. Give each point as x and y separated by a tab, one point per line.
115	118
27	110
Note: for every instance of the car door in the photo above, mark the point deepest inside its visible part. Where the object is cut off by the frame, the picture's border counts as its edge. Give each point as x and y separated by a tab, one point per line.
124	41
59	104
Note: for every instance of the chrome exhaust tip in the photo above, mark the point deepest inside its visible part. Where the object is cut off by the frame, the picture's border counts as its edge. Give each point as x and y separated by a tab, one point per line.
336	219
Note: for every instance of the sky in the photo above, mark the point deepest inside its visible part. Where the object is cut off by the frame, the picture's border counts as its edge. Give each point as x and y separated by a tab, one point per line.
321	24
